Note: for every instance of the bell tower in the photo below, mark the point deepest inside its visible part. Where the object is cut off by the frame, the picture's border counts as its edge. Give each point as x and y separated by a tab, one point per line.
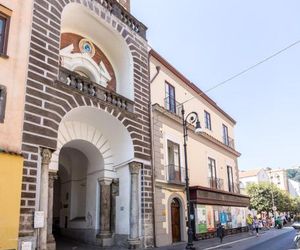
125	4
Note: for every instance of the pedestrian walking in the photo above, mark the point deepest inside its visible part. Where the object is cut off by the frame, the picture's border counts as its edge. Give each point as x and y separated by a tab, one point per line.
256	225
220	232
249	221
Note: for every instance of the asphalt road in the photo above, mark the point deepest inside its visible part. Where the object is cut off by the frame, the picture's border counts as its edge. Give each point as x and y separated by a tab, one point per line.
280	242
278	239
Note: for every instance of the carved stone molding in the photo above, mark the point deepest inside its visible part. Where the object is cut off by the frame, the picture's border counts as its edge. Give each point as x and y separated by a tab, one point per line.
46	156
104	182
135	167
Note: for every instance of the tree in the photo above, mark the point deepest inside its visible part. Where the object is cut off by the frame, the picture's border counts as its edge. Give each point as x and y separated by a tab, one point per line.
295	205
261	198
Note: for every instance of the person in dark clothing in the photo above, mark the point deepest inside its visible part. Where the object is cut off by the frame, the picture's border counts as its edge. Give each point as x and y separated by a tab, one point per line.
220	232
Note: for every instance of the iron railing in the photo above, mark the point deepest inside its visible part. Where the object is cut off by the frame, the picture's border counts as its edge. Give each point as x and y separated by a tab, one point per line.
216	183
93	89
234	187
175	174
228	141
121	13
173	106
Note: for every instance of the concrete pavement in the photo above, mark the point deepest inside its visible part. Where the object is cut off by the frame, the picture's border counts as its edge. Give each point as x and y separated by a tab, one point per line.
234	242
239	241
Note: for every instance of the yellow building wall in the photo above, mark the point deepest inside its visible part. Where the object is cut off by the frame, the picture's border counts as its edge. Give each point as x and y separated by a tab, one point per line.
10	194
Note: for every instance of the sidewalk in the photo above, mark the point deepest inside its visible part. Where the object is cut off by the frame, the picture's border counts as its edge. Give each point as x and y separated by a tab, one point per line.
214	243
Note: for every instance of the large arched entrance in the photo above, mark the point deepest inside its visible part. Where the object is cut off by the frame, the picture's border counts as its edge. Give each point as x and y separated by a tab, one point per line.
93	166
76	191
176	220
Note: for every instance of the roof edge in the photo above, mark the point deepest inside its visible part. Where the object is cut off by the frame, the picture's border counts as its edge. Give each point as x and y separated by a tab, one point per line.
162	60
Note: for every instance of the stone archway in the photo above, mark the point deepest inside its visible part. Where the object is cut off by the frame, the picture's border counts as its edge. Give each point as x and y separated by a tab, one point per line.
81	191
48	99
94	132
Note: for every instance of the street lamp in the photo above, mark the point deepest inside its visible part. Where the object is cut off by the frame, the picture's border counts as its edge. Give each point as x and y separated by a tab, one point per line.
191	118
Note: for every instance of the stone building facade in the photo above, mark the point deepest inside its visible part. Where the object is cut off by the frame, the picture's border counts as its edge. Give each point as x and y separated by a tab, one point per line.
86	127
211	157
14	43
80	71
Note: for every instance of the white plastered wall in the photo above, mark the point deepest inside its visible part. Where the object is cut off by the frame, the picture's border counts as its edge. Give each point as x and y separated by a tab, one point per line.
199	150
184	93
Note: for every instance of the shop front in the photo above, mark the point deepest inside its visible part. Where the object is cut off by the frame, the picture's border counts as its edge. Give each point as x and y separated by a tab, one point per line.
211	207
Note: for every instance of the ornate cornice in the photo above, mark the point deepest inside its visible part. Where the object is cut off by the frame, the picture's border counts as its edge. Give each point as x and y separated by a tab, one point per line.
204	135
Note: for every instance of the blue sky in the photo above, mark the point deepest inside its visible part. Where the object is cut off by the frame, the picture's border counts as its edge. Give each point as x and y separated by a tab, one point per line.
209	41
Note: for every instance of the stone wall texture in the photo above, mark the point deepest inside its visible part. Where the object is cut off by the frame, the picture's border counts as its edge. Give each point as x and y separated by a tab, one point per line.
48	100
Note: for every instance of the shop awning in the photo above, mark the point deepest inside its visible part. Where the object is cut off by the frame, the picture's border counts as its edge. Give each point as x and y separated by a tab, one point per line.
209	196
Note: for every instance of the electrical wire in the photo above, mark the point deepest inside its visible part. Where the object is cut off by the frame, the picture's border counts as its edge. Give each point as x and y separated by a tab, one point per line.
244	71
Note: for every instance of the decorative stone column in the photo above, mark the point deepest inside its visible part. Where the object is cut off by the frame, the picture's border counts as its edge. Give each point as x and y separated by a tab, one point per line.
114	194
46	157
105	206
50	239
134	240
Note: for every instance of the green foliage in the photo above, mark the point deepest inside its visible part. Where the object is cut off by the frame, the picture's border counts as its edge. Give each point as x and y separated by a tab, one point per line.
261	198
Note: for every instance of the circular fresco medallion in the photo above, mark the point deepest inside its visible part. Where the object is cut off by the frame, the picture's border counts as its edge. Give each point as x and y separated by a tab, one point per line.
86	46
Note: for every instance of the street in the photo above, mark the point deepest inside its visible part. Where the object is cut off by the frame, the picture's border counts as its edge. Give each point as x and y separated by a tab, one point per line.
273	239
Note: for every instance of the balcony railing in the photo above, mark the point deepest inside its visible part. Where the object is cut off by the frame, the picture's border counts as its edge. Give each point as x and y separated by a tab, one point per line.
216	183
118	10
228	141
173	106
174	174
90	88
234	188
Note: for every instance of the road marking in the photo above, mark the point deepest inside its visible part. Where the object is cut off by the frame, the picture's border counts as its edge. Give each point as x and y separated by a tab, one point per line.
229	243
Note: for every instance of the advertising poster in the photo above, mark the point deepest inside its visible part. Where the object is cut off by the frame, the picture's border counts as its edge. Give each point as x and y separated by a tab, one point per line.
216	214
201	219
223	218
244	211
234	218
210	219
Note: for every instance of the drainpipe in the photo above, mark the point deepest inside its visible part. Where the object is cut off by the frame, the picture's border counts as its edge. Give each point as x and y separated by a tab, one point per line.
156	74
152	151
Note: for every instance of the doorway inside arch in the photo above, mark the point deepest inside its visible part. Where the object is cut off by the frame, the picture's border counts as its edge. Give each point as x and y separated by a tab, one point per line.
175	217
76	192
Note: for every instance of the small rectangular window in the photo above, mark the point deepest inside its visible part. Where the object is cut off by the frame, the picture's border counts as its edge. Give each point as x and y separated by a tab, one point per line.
230	179
212	171
170	103
174	169
212	174
4	27
2	102
225	135
207	120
